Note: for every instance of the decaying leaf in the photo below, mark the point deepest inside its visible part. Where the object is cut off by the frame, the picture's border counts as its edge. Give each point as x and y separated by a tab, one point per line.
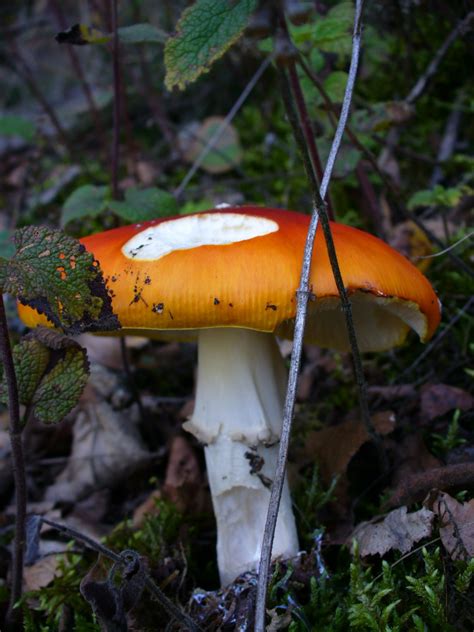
399	531
456	523
333	448
438	399
184	484
114	596
411	241
41	573
81	34
55	274
106	447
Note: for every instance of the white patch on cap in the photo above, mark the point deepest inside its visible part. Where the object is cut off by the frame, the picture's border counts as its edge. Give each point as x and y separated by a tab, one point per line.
206	229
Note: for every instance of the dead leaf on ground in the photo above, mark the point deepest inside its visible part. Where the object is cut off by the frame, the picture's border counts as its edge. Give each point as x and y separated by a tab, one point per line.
397	531
411	457
184	484
438	399
42	573
333	448
456	523
318	360
412	242
106	447
147	172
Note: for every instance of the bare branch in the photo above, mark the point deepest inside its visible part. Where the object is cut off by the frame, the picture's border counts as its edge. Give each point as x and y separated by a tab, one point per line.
12	619
418	89
303	295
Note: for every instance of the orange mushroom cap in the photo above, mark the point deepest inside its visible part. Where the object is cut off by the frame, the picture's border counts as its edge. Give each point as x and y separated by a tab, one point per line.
250	282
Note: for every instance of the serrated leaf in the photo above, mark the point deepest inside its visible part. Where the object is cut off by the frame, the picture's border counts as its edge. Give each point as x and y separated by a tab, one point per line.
54	273
51	338
30	358
141	205
86	201
7	249
62	387
205	31
142	34
12	125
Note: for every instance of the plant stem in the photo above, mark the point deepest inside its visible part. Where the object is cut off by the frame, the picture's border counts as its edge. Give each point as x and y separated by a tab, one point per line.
117	91
13	615
394	193
303	295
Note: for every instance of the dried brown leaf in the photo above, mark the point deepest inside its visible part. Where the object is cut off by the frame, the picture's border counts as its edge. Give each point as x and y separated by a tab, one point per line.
438	399
41	573
397	531
333	448
456	523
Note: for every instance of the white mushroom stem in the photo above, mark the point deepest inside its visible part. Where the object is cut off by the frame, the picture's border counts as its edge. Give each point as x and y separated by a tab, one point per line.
238	415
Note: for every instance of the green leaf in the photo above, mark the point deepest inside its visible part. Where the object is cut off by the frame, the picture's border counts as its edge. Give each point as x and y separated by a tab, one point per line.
335	85
12	125
55	274
141	205
205	31
331	33
61	388
31	359
85	201
226	152
7	249
142	34
438	196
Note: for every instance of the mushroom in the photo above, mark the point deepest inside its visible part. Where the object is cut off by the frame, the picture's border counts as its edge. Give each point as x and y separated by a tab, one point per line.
229	277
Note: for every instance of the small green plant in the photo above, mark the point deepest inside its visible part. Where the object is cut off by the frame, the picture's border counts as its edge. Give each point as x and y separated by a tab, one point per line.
442	444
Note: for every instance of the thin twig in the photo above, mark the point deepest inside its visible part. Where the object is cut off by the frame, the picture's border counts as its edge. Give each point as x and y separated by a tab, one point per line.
302	139
219	131
116	107
308	131
446	250
435	342
167	605
303	295
449	139
423	81
13	616
394	194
